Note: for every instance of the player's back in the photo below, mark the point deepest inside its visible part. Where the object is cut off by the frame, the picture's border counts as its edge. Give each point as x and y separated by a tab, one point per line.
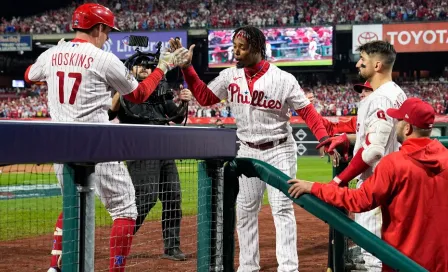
78	91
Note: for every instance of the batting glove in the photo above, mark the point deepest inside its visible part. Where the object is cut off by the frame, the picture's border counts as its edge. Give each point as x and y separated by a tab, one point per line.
341	142
166	61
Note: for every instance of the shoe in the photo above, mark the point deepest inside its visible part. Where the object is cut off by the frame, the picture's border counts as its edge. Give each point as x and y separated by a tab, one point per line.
174	254
54	269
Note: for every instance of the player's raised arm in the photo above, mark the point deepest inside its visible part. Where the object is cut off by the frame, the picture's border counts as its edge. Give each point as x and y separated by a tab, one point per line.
121	79
205	95
299	102
378	129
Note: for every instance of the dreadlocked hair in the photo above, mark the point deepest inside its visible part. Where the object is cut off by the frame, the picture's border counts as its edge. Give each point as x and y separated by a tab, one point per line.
255	38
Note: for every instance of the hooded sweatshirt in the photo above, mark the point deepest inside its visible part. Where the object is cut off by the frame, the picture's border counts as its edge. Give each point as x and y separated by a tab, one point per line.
411	187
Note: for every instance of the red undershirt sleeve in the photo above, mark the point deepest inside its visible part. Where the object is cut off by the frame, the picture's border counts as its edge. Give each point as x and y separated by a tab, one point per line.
203	94
145	88
313	120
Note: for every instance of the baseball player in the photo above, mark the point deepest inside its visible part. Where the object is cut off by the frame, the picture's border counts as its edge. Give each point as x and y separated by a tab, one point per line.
269	51
375	132
260	96
410	187
312	48
80	77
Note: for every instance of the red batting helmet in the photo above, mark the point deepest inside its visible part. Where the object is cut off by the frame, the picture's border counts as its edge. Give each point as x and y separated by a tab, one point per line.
91	14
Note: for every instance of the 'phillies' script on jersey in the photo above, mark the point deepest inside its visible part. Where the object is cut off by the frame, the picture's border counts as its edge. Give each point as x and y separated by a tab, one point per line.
263	114
258	98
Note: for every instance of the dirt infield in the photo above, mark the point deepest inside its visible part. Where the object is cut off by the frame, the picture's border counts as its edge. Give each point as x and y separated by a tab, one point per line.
27	168
32	254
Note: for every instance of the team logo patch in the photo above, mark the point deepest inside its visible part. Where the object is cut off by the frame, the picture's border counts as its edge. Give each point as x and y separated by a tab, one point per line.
119	259
76	22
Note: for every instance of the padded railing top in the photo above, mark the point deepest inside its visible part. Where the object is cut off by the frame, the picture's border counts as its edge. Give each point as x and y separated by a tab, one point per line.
45	142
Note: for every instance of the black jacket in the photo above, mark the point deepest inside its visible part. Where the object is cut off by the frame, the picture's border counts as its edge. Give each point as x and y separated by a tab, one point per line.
155	111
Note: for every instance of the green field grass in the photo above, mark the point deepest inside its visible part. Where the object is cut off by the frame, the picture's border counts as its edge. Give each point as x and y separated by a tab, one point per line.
13	179
322	62
35	216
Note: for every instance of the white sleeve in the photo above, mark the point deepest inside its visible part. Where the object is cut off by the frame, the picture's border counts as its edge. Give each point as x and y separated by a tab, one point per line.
119	77
296	98
37	71
377	111
219	85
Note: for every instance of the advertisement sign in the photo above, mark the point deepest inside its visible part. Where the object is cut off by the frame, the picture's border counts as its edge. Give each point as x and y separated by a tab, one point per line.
13	43
420	37
118	42
362	34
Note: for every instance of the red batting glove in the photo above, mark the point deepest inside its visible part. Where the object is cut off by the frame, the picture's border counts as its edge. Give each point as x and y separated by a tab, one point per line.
331	143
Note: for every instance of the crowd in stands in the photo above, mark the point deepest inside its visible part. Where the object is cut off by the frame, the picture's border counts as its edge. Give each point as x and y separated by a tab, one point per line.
171	14
330	100
24	103
341	100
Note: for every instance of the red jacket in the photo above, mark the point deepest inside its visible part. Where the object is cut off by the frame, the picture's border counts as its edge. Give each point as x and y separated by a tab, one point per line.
411	186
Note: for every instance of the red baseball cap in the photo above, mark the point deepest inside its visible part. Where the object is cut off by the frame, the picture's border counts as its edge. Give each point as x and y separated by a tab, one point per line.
416	112
358	87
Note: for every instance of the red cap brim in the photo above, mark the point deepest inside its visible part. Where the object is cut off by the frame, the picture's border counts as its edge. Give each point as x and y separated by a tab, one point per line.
395	113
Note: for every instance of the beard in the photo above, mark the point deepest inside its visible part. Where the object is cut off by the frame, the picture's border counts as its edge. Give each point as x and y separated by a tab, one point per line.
362	77
400	137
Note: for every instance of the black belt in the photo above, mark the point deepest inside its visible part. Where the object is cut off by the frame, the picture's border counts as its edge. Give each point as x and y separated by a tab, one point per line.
267	145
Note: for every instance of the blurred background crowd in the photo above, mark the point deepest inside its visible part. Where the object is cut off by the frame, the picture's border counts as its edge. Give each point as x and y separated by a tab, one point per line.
330	100
173	14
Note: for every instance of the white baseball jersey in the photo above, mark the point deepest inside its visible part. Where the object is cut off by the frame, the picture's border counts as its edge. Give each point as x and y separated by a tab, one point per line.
80	78
312	47
268	50
263	115
372	108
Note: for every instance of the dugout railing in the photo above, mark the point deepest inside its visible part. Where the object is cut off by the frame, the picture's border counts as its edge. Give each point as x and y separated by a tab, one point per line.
327	213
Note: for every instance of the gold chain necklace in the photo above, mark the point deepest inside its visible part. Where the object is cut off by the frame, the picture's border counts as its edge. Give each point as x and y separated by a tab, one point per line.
250	77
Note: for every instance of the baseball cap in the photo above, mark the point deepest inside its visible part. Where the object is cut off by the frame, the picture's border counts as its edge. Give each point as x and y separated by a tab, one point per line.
416	112
358	87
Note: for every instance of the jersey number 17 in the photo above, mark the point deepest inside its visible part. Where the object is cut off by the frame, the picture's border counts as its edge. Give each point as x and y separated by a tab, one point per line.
75	88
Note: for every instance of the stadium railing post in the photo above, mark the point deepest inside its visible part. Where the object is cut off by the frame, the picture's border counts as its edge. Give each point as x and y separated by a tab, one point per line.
210	216
70	210
337	246
230	192
84	178
78	239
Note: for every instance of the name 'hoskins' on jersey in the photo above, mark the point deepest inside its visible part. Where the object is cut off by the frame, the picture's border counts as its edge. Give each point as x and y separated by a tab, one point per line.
71	59
263	114
80	79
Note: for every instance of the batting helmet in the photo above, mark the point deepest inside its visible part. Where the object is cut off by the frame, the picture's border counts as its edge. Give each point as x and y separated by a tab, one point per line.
91	14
